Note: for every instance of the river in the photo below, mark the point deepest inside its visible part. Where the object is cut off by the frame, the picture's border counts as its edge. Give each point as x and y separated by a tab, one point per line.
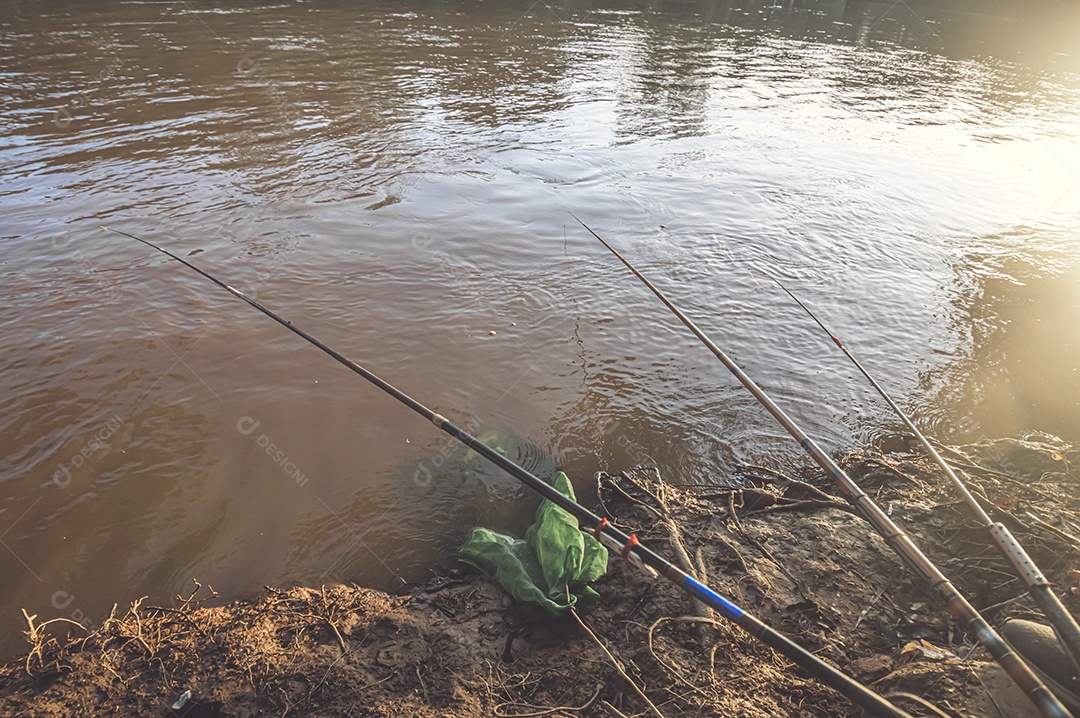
396	177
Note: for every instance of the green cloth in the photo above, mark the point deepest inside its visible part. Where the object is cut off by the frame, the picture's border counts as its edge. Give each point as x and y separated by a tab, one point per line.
556	556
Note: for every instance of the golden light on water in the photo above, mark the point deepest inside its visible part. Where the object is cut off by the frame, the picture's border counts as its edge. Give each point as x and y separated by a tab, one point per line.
1056	179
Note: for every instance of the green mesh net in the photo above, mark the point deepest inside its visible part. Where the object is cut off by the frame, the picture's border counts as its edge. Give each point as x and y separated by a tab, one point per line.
551	567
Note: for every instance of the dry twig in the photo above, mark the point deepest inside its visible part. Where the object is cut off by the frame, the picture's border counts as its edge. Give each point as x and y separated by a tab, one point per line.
615	662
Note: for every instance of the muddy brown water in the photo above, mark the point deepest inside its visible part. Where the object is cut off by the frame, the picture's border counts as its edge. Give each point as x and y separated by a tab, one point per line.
394	177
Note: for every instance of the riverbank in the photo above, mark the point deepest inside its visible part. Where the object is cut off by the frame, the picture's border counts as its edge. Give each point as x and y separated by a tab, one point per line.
780	545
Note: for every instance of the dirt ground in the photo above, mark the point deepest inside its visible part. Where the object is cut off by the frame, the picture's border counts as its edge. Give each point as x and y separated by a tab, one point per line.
780	545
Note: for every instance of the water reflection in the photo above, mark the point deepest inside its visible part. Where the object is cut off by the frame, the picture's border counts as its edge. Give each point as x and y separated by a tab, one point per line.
1018	367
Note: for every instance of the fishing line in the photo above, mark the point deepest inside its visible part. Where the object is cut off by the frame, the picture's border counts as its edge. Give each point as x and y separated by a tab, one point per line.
626	546
905	548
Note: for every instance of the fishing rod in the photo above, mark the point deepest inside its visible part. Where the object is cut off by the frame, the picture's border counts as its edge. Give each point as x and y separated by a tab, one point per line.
959	606
626	546
1037	584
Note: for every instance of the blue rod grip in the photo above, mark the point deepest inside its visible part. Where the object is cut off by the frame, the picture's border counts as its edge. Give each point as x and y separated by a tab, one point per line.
726	608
